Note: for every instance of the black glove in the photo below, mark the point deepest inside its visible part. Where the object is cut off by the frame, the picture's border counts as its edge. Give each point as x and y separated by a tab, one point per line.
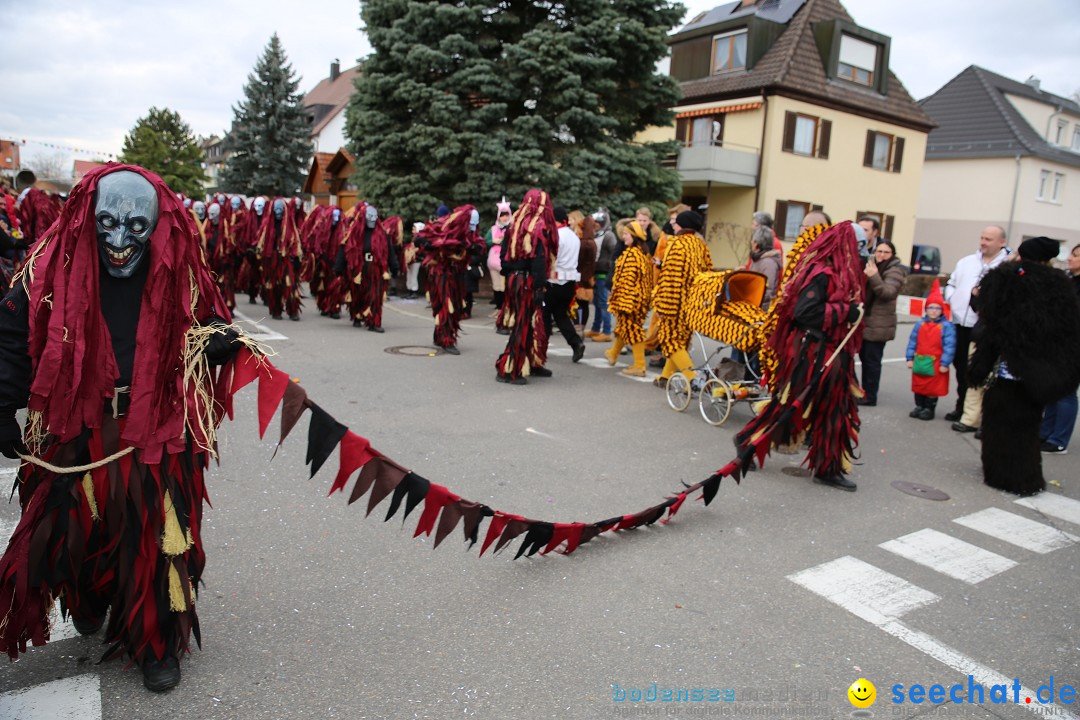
222	346
853	313
11	440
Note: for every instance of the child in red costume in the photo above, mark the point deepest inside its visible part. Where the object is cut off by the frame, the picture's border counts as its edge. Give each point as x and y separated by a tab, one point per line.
930	351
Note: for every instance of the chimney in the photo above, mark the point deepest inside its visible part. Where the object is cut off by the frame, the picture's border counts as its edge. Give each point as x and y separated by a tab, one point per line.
335	70
1033	83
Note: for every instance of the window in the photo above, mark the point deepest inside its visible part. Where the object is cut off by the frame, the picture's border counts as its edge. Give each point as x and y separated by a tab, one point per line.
1044	183
858	59
729	52
883	151
806	135
789	216
700	131
1076	139
885	222
1059	182
1062	127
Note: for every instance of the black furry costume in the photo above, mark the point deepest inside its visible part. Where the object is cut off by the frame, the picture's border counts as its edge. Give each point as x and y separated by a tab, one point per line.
1027	345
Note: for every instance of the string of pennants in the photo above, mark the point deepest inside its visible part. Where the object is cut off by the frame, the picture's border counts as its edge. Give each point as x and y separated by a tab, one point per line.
380	477
57	146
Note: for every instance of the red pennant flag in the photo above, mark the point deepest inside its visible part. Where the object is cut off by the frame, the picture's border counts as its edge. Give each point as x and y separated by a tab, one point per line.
674	507
515	527
437	497
354	452
498	522
272	386
245	369
570	533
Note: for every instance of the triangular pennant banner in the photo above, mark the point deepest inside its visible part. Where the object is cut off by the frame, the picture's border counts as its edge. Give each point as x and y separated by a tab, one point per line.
293	406
355	453
515	527
387	477
271	390
537	537
412	489
324	434
498	522
436	499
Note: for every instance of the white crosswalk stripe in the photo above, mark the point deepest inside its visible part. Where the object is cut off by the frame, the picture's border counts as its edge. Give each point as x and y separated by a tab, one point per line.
860	588
74	698
1054	505
948	555
1021	531
261	332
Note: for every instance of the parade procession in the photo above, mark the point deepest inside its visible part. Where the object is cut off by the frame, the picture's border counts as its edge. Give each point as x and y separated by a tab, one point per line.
530	280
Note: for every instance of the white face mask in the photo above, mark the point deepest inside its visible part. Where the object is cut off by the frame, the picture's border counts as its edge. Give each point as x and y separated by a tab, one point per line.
474	221
370	215
259	205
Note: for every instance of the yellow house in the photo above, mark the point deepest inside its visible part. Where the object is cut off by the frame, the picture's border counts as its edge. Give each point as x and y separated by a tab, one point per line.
790	106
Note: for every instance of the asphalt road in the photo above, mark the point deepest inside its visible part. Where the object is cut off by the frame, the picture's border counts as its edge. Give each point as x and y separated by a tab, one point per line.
778	596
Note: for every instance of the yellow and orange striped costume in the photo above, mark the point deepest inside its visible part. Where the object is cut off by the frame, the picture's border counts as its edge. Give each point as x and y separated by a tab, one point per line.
631	290
686	257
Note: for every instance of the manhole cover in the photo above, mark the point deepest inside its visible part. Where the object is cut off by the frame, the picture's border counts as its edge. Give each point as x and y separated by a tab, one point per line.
796	472
415	350
924	491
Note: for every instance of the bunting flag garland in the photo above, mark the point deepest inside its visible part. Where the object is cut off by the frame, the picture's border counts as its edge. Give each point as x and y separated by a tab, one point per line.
379	477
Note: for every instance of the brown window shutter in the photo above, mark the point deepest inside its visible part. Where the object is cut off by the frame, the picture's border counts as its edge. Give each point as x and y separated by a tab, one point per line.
898	154
887	227
824	136
817	208
680	130
789	132
868	156
780	217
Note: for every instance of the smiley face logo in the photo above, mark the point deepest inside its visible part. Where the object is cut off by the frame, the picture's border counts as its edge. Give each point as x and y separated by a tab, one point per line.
862	693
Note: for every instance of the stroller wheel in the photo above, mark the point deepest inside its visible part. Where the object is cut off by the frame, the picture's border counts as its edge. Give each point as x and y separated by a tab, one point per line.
715	401
678	392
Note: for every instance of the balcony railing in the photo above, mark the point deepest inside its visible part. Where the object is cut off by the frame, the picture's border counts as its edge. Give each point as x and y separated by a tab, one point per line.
721	163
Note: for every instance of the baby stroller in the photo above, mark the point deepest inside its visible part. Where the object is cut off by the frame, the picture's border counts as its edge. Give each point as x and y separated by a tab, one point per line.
726	307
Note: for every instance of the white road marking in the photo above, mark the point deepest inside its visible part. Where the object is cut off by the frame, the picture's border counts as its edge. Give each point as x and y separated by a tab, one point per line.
61	630
862	589
560	352
948	555
965	665
1054	505
534	431
880	598
74	698
1011	528
262	333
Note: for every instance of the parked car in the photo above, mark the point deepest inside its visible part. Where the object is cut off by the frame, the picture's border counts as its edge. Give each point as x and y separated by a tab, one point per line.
925	260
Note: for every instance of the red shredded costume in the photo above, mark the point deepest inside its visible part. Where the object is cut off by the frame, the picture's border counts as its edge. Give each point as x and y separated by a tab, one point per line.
447	245
124	536
279	253
530	248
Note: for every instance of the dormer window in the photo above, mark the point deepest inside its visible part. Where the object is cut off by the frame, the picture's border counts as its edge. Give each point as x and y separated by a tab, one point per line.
858	59
729	52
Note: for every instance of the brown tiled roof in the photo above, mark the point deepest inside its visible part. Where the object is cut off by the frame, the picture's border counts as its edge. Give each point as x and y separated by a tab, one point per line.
316	181
793	67
333	93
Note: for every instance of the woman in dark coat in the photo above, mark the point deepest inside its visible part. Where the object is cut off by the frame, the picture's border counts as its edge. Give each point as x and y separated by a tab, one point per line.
1028	339
884	277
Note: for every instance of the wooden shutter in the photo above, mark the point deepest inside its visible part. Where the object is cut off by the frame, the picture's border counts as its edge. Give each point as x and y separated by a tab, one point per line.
824	136
789	132
817	208
868	155
887	227
780	217
898	154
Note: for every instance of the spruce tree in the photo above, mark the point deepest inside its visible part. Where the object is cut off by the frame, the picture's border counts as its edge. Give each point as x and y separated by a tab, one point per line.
470	101
163	143
271	135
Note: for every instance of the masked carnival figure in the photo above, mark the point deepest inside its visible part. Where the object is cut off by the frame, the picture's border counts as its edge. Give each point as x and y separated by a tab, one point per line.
368	260
449	244
530	247
278	250
108	339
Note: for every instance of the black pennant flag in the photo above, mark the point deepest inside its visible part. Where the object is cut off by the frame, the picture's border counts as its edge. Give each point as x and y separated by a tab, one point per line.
413	486
324	434
536	539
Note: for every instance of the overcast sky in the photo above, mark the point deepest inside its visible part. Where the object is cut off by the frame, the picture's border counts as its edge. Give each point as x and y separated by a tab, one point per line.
77	75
